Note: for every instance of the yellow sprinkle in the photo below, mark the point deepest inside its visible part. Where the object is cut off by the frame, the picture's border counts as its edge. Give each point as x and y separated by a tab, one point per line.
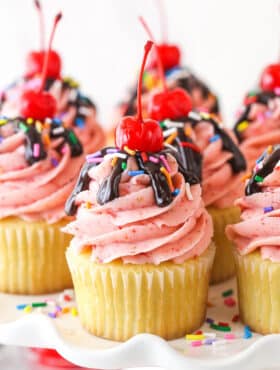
27	309
205	115
242	126
168	178
114	161
129	151
188	130
65	310
74	311
88	205
29	121
269	149
39	126
3	121
171	138
195	336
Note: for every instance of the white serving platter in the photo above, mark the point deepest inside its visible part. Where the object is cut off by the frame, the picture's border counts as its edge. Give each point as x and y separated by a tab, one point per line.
66	335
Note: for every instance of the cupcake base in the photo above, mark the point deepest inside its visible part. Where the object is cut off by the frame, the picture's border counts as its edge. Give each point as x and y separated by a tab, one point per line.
259	292
223	267
32	257
117	301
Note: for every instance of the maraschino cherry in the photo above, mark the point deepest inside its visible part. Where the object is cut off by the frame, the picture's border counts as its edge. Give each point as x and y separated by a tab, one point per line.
134	132
170	54
270	78
171	104
35	59
39	104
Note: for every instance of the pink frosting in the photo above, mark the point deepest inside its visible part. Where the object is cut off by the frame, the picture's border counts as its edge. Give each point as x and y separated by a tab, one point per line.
220	186
38	191
133	228
259	230
263	130
91	134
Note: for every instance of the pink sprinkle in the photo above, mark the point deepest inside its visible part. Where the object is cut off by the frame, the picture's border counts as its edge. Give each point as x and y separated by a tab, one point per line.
230	302
196	343
95	160
229	336
64	149
164	161
153	159
261	117
36	150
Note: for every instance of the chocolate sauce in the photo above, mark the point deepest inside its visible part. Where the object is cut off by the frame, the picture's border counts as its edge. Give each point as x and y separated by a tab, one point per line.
109	188
268	164
237	162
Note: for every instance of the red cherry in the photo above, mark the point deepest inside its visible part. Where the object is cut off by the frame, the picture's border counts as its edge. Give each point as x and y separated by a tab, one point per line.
169	54
134	132
171	104
49	357
270	78
37	104
35	63
144	136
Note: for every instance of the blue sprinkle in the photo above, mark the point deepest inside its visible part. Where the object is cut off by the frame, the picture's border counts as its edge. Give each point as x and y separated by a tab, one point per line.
247	333
169	72
57	121
52	315
268	209
176	192
1	139
209	341
21	306
209	320
214	138
136	173
80	122
260	158
268	114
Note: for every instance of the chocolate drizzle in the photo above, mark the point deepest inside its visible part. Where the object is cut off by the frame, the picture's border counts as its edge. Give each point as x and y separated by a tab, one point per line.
109	188
268	162
237	162
33	137
263	98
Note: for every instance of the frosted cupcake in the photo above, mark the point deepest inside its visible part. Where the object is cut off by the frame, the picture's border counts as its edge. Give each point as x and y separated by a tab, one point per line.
258	124
142	238
76	110
39	160
257	239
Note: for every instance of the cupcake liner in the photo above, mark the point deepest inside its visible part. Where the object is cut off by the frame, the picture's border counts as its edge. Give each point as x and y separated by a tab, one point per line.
32	257
223	267
117	301
258	291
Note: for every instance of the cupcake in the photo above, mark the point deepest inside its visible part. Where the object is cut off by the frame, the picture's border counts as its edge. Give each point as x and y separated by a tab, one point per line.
257	240
39	160
76	110
193	135
141	252
258	123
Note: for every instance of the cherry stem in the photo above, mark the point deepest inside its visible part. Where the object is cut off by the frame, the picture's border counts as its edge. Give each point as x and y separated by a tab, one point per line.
147	49
159	61
47	55
41	23
162	19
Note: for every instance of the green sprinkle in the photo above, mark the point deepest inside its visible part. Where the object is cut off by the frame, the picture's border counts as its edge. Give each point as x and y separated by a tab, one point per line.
227	293
39	304
162	125
258	178
252	93
23	127
124	165
73	137
220	328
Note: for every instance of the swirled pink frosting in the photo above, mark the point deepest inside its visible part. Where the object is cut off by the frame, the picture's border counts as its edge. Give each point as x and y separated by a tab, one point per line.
133	228
220	186
263	130
91	134
38	191
259	230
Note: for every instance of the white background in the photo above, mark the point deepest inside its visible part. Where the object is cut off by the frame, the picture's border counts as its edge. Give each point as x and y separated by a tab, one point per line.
227	42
